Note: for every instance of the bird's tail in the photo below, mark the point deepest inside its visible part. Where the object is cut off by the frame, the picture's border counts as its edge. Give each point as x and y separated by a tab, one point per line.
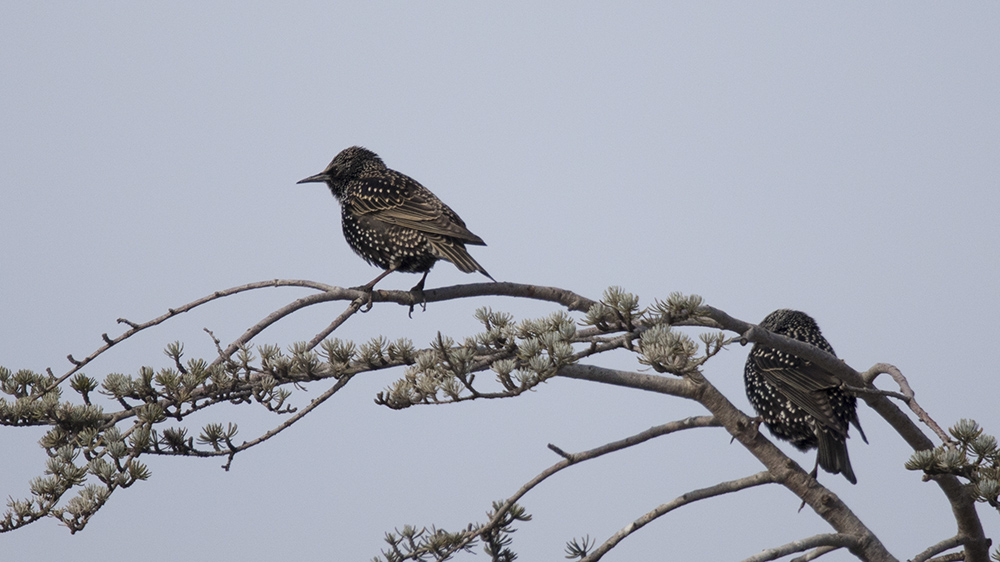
832	455
456	253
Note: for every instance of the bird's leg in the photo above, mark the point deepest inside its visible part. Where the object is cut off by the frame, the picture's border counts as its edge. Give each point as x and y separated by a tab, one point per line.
815	475
371	285
418	294
419	287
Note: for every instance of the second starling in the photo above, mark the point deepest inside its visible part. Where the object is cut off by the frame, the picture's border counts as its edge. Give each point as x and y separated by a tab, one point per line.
800	402
392	221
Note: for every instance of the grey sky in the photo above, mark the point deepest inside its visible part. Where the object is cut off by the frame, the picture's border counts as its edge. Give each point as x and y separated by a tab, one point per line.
839	158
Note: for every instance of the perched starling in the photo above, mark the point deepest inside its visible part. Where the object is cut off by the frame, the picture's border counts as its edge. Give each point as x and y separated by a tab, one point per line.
798	401
392	221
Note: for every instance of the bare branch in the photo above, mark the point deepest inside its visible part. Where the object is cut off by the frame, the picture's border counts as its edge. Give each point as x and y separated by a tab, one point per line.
722	488
951	557
908	396
815	553
574	458
171	312
824	502
935	549
656	383
838	540
354	307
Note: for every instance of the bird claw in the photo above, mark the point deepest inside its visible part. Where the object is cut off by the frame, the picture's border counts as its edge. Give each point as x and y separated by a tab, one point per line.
753	426
417	293
366	303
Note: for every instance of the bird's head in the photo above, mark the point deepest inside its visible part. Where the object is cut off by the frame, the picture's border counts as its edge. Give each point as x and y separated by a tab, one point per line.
346	166
785	321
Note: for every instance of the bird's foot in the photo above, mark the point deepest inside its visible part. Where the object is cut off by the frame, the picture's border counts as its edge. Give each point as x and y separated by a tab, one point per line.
417	293
753	427
368	302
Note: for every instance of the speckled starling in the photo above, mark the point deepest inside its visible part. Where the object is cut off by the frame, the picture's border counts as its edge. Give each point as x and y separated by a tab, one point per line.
798	401
392	221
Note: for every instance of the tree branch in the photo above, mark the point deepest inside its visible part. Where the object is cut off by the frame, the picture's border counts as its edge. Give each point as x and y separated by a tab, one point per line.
570	459
238	378
816	553
838	540
935	549
655	383
909	397
722	488
952	557
171	312
785	471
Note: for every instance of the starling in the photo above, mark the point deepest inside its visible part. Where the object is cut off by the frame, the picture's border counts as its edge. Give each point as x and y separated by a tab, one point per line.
392	221
798	401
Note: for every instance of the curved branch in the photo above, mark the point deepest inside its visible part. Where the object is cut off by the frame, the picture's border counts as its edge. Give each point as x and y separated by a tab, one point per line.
575	458
337	294
569	299
906	390
171	312
951	557
722	488
938	548
570	459
816	553
351	310
838	540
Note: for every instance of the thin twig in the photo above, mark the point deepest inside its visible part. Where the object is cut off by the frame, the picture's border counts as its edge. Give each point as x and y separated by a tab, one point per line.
348	312
908	396
570	459
134	328
271	319
764	477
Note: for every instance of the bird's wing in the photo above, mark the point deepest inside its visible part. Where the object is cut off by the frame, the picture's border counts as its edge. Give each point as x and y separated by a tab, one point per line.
400	200
805	384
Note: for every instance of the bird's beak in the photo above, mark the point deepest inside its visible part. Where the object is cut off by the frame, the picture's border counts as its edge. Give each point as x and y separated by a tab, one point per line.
318	178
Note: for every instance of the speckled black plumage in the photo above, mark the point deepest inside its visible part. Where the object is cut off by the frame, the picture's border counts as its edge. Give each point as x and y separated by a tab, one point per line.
798	401
392	221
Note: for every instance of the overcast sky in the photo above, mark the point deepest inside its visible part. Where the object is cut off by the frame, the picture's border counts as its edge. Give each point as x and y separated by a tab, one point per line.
842	159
